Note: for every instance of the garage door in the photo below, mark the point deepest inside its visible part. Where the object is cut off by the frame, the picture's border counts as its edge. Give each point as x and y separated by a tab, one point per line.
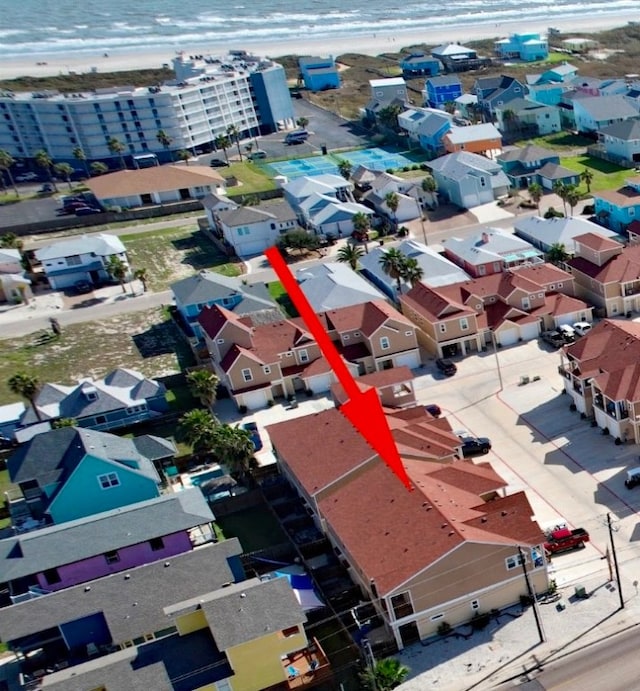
254	399
529	331
508	337
249	248
410	360
320	383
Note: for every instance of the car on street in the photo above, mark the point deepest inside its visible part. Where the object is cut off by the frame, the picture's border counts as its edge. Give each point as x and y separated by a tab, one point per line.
26	177
553	338
217	163
433	409
473	446
257	155
252	428
446	366
82	287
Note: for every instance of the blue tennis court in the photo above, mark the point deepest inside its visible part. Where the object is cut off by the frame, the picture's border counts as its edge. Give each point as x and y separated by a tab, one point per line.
315	165
377	159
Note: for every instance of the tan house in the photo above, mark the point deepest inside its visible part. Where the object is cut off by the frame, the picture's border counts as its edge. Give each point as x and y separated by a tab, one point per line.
259	362
410	551
509	307
601	373
607	274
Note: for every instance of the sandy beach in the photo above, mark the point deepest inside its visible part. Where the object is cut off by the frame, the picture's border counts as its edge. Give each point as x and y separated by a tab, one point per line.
55	64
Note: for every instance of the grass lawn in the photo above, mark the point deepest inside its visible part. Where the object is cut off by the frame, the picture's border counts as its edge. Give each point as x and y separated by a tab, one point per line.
252	178
278	293
606	176
256	528
144	341
170	254
560	141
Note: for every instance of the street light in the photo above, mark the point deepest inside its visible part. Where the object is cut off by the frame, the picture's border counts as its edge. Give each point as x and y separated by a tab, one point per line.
495	352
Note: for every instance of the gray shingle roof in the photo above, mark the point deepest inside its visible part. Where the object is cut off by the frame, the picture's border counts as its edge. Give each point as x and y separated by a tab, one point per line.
444	80
608	107
626	130
527	154
458	164
544	232
488	246
554	171
208	286
154	448
52	456
246	611
330	286
32	553
132	601
103	245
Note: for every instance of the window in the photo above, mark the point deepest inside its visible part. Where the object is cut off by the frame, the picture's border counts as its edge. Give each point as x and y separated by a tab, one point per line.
408	333
384	343
247	375
525	303
464	324
51	576
108	480
112	557
540	295
513	562
443	328
436	617
291	631
266	369
101	419
74	260
559	286
156	544
482	270
304	356
346	337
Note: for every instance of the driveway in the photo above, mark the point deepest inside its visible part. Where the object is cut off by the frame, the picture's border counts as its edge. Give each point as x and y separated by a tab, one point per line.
487	213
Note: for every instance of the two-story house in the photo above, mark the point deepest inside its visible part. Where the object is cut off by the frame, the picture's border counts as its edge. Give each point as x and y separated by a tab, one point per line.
600	373
618	209
14	285
383	183
594	113
347	488
419	64
607	274
456	57
83	258
493	92
543	233
522	163
319	74
122	398
492	251
522	117
526	47
64	555
259	362
250	230
621	141
478	139
441	90
426	127
69	473
469	180
207	288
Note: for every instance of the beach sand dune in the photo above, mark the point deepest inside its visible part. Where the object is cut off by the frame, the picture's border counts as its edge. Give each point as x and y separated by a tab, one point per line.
55	64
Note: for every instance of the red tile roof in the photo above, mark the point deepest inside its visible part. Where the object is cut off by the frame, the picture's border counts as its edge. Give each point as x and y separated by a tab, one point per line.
622	268
558	304
543	274
213	318
621	384
597	242
366	317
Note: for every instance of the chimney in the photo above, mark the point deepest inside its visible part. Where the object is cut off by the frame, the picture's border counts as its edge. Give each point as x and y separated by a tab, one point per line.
485	237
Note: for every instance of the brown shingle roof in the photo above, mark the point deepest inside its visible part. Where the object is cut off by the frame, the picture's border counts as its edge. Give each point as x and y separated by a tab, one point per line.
542	274
125	183
368	317
622	197
622	268
621	384
597	242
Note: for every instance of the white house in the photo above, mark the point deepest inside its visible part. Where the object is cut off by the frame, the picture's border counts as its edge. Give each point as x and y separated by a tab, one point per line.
82	258
251	229
385	183
325	215
543	233
14	286
214	203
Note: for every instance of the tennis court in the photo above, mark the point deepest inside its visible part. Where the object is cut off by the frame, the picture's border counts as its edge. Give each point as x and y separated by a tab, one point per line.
314	165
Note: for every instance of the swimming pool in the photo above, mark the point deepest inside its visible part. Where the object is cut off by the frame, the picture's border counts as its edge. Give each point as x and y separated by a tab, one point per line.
203	475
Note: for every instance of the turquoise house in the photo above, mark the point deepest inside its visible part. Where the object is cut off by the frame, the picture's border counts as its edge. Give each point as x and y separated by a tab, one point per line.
319	74
70	473
617	209
526	47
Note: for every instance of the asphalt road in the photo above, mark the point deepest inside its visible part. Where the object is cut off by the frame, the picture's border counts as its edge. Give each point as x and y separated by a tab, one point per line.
608	666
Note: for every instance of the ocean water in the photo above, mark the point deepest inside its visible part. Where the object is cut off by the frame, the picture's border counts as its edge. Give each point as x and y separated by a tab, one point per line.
32	27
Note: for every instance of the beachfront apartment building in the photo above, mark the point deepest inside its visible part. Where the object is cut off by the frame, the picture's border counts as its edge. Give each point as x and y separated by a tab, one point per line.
203	101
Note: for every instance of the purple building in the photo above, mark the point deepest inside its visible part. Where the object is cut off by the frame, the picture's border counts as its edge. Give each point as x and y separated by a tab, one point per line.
75	552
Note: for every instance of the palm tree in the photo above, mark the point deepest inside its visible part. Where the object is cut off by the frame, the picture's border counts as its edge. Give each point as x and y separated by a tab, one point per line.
350	254
98	168
557	253
428	184
412	272
116	147
27	387
392	200
392	262
184	155
79	154
197	428
10	241
64	170
561	190
118	269
388	116
46	163
234	447
508	118
142	276
222	142
536	192
203	384
234	136
587	176
302	122
573	197
64	422
165	140
386	675
345	167
6	161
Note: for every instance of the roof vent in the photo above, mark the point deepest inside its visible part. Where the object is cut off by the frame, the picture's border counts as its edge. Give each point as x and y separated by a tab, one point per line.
483	519
445	525
87	588
167	564
127	576
451	533
243	595
504	513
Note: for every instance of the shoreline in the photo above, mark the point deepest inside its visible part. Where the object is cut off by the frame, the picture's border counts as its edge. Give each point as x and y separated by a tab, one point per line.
45	65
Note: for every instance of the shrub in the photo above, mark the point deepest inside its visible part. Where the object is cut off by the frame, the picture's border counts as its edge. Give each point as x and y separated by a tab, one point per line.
552	213
618	441
270	403
403	231
424	166
572	407
242	409
526	600
605	432
444	629
589	209
480	621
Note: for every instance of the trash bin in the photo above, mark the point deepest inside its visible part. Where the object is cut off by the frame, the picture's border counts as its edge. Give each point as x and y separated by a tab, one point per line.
581	592
324	149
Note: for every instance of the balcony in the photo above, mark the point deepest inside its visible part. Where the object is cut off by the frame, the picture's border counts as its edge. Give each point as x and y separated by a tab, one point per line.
306	668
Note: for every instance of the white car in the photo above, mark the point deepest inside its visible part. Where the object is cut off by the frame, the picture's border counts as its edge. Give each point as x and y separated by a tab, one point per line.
26	177
582	328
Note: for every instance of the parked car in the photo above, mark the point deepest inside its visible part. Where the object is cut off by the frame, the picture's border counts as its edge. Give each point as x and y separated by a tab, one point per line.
568	333
582	328
632	478
474	446
26	177
446	366
217	163
565	540
82	287
47	188
433	409
257	155
87	211
252	428
554	338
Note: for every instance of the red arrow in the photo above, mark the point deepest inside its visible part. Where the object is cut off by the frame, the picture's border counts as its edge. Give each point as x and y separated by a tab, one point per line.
363	409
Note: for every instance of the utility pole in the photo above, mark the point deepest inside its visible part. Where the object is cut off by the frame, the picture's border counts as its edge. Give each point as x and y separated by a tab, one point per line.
372	662
532	595
615	560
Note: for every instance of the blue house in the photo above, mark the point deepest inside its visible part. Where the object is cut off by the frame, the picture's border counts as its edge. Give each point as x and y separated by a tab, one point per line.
493	92
207	288
427	127
319	74
526	47
522	164
617	209
69	473
418	64
441	90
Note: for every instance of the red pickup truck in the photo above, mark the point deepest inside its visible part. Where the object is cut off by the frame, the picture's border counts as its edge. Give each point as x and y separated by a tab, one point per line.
564	539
